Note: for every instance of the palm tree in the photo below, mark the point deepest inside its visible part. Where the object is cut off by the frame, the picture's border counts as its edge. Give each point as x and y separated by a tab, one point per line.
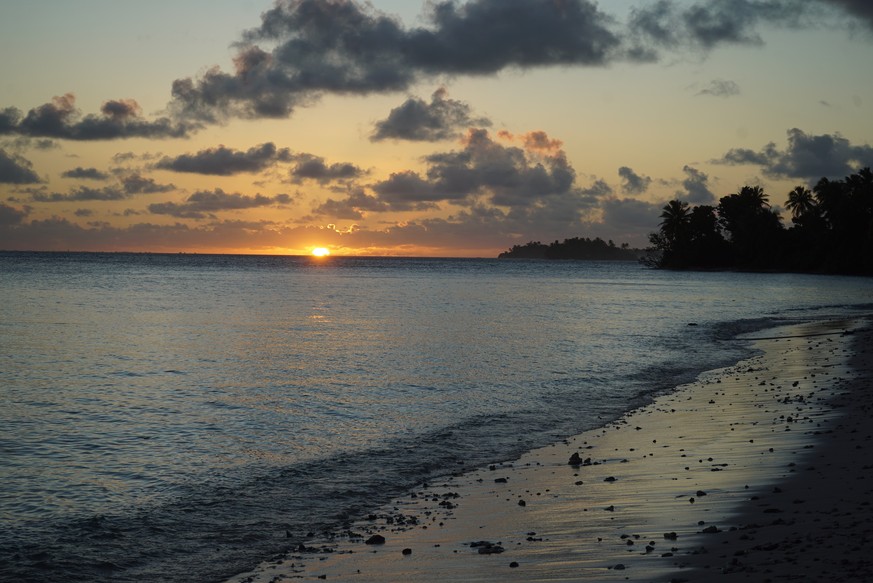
755	195
675	218
800	202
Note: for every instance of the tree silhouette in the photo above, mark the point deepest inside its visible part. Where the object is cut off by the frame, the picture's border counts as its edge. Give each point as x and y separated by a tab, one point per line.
800	202
832	230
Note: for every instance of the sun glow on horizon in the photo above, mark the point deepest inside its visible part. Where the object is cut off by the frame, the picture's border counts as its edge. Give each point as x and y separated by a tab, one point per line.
321	252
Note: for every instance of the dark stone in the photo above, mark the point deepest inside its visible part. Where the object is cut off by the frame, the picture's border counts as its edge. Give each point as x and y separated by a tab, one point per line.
670	535
513	565
376	539
522	503
407	551
500	481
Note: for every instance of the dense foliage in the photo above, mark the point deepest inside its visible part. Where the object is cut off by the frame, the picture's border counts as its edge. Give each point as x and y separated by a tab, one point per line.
831	232
575	248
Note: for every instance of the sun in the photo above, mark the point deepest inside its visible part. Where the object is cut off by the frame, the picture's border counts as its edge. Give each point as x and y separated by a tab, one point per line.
321	252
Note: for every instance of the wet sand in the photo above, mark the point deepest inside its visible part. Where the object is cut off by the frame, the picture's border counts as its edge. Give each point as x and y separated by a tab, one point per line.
756	472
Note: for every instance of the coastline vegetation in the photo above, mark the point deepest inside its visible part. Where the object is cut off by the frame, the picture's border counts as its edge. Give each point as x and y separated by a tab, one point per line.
575	248
831	232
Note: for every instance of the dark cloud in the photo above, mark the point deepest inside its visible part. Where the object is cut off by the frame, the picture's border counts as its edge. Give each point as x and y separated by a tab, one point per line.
310	167
16	170
630	215
85	174
23	143
696	187
807	156
83	193
862	9
9	215
417	120
353	207
507	175
407	190
204	204
129	186
339	46
61	119
122	157
721	88
534	181
137	184
223	161
706	25
633	183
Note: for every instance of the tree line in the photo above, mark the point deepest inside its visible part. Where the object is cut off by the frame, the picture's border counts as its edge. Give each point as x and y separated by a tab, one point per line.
575	248
831	231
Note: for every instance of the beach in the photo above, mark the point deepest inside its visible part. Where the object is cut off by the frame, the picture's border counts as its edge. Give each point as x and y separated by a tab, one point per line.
755	472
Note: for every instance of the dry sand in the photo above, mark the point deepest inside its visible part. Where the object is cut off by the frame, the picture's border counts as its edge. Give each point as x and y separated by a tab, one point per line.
756	472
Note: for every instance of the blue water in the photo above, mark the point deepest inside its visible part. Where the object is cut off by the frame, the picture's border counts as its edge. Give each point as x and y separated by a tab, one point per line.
170	417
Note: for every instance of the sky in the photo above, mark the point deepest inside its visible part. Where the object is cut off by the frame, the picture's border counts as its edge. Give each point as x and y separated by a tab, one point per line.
402	128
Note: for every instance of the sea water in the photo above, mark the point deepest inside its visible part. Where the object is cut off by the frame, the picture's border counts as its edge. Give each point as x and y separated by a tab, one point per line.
184	417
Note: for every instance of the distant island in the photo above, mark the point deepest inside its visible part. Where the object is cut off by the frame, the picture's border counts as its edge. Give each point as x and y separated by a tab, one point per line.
575	248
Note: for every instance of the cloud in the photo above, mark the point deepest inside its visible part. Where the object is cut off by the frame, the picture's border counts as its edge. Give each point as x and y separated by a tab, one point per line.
407	190
224	161
23	143
506	175
137	184
633	183
419	121
807	156
85	174
352	207
9	215
204	204
62	120
80	194
862	9
16	170
534	182
696	187
707	25
721	88
128	186
344	47
310	167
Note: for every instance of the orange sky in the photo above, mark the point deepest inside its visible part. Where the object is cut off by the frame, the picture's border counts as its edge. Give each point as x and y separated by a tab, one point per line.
392	129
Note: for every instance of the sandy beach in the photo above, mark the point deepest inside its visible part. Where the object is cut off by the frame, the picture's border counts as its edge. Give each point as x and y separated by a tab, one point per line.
756	472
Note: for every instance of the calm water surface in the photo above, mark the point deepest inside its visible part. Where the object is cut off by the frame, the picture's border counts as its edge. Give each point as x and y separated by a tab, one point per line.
172	417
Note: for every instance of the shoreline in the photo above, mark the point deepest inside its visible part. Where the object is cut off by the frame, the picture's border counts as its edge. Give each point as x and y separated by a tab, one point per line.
690	463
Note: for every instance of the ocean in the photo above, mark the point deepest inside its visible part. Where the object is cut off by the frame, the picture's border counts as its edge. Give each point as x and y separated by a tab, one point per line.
185	417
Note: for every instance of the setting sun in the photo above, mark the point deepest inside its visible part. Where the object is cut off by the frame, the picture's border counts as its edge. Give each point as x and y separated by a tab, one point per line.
321	251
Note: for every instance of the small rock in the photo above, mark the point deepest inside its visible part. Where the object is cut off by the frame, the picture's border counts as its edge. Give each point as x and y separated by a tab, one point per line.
376	539
513	565
407	551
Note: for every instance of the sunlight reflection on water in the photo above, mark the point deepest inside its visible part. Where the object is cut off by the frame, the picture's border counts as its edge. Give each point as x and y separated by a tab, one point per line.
127	379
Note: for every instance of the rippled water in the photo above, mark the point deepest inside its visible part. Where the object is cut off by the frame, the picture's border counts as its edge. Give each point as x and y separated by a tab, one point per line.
168	416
